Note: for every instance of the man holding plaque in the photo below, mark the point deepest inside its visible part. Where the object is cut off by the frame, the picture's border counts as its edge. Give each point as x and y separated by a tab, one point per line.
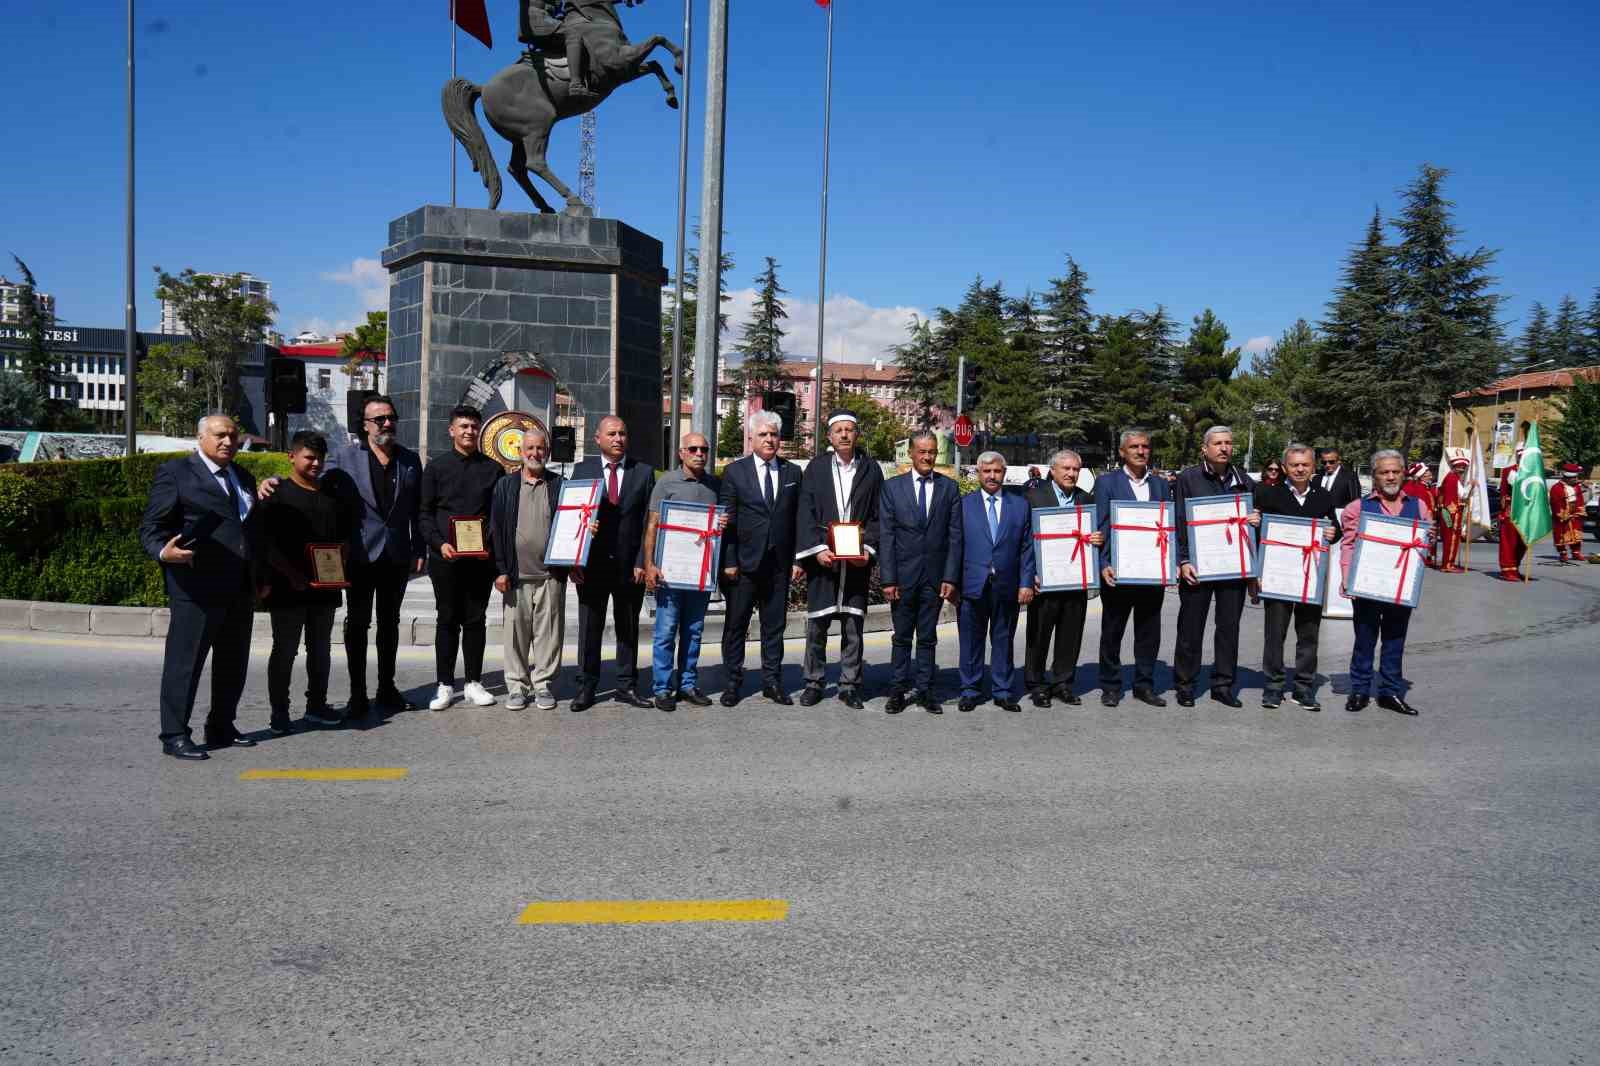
1214	475
306	532
457	490
1055	619
919	516
997	575
681	607
522	517
1296	496
836	537
1132	481
1377	620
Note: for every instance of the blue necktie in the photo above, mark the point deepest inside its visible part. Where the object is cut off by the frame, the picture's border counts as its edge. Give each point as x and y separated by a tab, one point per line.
994	522
922	496
767	487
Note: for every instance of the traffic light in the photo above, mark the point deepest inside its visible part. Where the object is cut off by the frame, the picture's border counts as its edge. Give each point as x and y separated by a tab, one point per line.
783	405
969	386
287	385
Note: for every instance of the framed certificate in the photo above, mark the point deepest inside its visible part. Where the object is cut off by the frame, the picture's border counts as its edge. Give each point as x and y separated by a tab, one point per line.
327	566
1389	559
1221	543
1335	604
569	534
844	540
1066	561
688	545
1292	563
467	538
1143	538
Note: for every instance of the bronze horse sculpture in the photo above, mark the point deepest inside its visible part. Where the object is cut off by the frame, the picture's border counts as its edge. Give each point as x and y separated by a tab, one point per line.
524	101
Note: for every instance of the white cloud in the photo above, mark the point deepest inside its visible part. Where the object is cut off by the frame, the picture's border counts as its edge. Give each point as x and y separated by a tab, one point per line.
1258	345
370	280
855	332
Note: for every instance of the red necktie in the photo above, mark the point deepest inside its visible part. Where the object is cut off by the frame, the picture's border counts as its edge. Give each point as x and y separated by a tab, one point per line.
611	483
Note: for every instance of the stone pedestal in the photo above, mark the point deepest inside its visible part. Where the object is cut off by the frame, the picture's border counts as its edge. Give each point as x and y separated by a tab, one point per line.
476	295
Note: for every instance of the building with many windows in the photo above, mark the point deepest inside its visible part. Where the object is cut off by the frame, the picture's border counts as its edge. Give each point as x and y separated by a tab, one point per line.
328	387
11	302
880	380
250	287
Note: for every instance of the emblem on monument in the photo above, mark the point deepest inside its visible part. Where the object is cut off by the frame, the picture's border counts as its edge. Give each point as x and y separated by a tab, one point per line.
501	439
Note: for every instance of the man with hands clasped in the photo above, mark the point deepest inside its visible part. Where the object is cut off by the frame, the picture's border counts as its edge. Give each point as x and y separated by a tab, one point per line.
997	577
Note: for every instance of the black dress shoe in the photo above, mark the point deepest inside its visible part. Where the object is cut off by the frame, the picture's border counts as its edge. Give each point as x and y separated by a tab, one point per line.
966	704
895	704
1009	705
848	697
1397	705
392	699
1110	699
811	696
665	703
1271	700
232	738
582	701
280	724
634	699
777	696
1066	695
694	696
1227	699
931	705
1307	701
369	718
729	697
1145	695
1356	703
1040	699
1186	699
183	748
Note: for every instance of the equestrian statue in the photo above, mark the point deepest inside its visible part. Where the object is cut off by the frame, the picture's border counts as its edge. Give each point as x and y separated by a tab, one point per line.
577	56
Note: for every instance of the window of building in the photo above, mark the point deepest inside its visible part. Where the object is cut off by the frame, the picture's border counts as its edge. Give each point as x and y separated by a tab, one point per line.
102	390
324	379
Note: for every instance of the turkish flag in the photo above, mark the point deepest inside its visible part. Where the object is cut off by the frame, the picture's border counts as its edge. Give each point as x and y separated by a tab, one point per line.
474	18
823	3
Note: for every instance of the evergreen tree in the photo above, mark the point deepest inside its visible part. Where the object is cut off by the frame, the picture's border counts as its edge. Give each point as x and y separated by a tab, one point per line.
689	292
1159	332
1127	395
1067	355
19	403
1534	343
1591	330
170	400
923	369
1566	334
1577	435
38	359
877	427
222	325
1201	398
1360	333
1290	370
977	321
730	433
1011	369
762	345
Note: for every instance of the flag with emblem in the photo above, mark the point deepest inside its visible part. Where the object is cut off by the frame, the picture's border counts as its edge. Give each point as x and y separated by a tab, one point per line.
1530	496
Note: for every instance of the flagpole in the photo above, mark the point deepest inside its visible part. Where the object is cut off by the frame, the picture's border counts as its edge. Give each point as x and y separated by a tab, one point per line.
452	78
683	225
822	258
131	315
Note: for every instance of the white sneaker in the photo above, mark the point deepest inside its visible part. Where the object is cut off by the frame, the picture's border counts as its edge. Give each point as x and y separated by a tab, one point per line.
475	692
442	698
543	698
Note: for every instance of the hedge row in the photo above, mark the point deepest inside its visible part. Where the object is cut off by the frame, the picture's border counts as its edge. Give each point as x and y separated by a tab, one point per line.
69	530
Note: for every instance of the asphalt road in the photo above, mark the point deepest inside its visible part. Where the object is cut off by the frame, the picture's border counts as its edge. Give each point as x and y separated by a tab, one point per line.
1073	884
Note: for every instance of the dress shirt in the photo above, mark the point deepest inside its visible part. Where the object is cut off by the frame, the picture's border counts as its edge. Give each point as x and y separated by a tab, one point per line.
1327	478
1140	485
229	484
844	478
1299	497
924	491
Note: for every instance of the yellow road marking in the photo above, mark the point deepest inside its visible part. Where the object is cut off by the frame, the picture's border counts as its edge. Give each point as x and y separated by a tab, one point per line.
628	911
335	773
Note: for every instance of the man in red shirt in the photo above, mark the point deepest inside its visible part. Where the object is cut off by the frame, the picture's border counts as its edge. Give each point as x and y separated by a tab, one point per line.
1512	549
1454	502
1566	513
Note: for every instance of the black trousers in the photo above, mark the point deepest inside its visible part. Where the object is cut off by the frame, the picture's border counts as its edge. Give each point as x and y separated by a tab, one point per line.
1194	603
288	623
193	632
915	614
1057	615
1116	603
461	590
1307	629
766	589
385	582
609	583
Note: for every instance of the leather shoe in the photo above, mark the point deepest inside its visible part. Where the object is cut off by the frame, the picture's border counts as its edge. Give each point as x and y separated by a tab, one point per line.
1145	695
777	696
811	696
848	697
1227	699
729	697
280	724
1067	696
582	701
392	699
1110	699
694	696
665	703
231	738
1271	700
368	718
1040	699
931	705
1186	699
1356	702
183	748
1307	701
634	699
895	704
1397	705
1009	705
966	704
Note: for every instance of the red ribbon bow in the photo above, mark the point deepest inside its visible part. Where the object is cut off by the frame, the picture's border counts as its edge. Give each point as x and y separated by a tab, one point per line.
1308	557
1160	529
1241	520
1403	564
705	537
585	515
1078	553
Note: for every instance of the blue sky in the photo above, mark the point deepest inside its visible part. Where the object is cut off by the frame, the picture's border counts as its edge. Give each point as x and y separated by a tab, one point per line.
1193	155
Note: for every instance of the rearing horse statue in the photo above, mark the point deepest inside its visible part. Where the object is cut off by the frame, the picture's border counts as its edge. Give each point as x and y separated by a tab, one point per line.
524	101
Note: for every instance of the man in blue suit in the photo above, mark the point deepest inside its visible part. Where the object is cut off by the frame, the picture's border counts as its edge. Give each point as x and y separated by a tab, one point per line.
997	572
1130	481
919	565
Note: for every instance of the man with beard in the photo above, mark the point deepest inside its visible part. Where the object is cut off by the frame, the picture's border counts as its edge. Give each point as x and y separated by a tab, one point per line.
522	514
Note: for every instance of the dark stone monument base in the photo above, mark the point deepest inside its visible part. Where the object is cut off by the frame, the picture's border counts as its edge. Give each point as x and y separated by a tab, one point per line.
472	292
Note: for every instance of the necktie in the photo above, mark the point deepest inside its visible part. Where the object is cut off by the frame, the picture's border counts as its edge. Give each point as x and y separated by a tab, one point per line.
227	485
611	483
766	487
994	521
922	496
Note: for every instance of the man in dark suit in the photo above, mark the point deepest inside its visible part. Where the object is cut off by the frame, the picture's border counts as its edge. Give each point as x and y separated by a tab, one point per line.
1133	480
997	573
200	524
615	573
1301	497
760	492
1338	480
1057	615
919	565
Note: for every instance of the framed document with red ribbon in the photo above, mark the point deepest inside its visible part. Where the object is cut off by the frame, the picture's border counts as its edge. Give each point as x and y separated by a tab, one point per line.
569	533
1335	603
688	545
1221	543
1065	559
1143	542
1390	556
1292	562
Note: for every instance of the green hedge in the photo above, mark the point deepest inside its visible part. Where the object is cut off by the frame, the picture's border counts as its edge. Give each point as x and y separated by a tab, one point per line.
70	530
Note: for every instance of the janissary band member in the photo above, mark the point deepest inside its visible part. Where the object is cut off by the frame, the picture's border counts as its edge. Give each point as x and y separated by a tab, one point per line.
1566	513
1376	621
1512	548
1455	501
1416	484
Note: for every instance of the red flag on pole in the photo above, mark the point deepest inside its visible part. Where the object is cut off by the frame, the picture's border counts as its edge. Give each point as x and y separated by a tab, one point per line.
823	3
472	16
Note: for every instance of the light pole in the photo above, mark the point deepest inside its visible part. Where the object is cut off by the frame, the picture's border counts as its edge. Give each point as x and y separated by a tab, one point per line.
130	336
683	212
711	168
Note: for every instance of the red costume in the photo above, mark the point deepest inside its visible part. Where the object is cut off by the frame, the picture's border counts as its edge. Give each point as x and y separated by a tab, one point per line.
1414	486
1512	548
1453	517
1566	513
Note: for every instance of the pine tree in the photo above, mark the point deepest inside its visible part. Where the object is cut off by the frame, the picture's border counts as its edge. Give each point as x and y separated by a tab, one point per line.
1127	396
38	359
730	433
1290	370
1591	330
1069	340
1201	398
978	320
762	344
1533	347
923	369
1577	435
1566	334
1360	333
691	309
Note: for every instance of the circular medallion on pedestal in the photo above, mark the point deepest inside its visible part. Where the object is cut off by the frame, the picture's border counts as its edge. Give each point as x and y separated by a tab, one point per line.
501	439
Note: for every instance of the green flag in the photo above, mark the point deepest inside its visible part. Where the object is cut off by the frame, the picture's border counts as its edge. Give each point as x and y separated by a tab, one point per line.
1530	497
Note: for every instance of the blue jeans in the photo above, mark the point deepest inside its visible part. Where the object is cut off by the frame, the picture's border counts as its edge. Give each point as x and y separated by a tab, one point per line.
1374	620
678	608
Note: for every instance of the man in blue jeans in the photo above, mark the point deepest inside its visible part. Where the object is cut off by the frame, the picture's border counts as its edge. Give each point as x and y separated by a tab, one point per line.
680	610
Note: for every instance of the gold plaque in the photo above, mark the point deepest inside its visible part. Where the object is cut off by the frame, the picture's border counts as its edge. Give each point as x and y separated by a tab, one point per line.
327	566
844	540
501	439
466	536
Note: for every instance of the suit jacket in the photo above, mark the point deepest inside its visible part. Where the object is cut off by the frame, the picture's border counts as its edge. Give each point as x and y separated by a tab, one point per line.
1009	556
394	534
503	508
1346	486
1279	499
916	549
1116	486
620	542
224	563
754	528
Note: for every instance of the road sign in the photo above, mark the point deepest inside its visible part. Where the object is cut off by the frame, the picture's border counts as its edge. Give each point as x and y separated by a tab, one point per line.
963	432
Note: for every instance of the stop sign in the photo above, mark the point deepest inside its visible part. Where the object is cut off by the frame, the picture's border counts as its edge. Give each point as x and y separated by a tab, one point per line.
963	432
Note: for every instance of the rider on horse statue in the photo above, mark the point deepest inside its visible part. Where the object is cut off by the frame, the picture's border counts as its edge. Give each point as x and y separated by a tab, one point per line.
542	29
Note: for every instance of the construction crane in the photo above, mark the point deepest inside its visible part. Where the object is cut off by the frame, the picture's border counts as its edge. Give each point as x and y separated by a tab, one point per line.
586	160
